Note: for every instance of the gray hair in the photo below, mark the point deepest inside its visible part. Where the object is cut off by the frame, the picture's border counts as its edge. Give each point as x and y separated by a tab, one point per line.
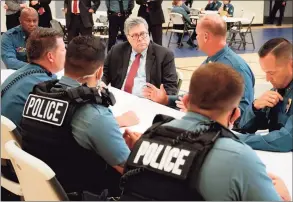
134	21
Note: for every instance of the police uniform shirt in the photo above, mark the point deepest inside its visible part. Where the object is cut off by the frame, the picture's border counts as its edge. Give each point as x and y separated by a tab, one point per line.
229	57
279	121
13	48
13	101
115	7
213	6
230	169
95	128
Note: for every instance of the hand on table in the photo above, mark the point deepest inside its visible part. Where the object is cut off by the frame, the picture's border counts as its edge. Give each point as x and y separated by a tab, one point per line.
157	95
127	119
131	138
280	187
181	103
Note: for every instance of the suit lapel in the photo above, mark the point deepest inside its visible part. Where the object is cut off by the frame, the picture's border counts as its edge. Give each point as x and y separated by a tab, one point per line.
125	64
150	61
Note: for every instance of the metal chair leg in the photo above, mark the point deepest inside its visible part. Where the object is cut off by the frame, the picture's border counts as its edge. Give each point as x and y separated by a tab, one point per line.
170	39
252	39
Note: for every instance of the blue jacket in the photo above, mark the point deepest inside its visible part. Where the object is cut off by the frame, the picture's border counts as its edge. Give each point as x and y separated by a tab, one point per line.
24	79
279	121
213	6
13	48
183	10
229	8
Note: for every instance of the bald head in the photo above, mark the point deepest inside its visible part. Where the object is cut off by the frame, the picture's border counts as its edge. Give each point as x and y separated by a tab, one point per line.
214	24
29	19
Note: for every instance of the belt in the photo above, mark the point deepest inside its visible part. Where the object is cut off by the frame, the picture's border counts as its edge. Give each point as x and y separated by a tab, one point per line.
117	14
75	13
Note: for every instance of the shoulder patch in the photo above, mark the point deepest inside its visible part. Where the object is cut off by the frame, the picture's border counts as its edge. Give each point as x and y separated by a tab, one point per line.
44	109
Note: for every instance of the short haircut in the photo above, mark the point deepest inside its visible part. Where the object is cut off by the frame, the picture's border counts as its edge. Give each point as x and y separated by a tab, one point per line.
134	21
214	24
279	47
41	41
215	86
84	55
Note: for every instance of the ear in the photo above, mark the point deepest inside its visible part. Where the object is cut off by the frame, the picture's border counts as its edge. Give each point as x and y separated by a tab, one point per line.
236	115
99	73
50	57
185	100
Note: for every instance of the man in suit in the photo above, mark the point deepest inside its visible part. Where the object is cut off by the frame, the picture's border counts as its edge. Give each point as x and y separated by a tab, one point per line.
131	65
151	11
79	16
13	8
279	5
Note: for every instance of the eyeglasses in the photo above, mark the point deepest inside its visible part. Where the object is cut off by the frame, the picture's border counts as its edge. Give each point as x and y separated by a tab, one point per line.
142	35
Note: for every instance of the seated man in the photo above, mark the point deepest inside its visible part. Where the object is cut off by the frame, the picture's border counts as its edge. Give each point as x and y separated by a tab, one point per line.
211	39
181	8
167	162
46	52
130	65
13	42
83	138
273	110
215	5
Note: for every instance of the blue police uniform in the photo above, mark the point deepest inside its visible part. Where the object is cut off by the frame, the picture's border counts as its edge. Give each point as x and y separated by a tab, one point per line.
229	8
213	6
232	170
229	57
16	88
279	121
95	128
13	48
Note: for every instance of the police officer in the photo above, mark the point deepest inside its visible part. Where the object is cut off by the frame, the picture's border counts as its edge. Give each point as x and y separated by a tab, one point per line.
87	150
273	110
193	158
229	8
13	43
279	5
46	53
118	12
215	5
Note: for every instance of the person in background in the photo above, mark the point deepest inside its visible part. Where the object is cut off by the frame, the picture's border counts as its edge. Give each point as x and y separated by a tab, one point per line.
13	41
44	11
211	38
46	56
118	12
227	9
130	65
188	2
151	11
181	8
279	5
274	109
231	170
13	8
79	17
215	5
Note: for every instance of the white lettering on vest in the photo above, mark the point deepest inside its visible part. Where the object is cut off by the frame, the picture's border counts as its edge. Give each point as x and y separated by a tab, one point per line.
50	114
57	111
30	104
36	107
149	153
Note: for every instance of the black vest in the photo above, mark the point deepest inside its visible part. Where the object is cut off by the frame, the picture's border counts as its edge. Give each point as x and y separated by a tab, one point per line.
165	162
47	135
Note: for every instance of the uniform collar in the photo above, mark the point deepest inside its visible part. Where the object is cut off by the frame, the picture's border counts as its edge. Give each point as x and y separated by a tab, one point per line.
290	86
191	116
218	54
69	82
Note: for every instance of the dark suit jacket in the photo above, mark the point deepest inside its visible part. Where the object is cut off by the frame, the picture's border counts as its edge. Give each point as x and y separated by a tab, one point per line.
155	11
45	18
160	66
84	6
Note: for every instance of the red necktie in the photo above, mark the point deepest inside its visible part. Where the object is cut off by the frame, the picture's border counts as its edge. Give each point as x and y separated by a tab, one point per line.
75	6
132	73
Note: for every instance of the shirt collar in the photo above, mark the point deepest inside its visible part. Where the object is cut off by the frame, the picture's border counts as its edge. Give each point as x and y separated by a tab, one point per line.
143	53
218	54
195	116
68	82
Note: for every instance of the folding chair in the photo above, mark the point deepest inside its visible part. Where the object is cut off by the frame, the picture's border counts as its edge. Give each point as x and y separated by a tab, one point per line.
177	19
169	11
8	129
58	26
37	179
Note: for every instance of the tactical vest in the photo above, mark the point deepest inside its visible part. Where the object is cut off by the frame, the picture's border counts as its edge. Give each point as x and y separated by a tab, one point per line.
165	162
47	134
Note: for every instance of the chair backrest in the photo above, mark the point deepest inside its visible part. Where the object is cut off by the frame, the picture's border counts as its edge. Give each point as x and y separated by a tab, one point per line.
37	179
177	19
179	79
7	133
249	16
169	9
57	26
